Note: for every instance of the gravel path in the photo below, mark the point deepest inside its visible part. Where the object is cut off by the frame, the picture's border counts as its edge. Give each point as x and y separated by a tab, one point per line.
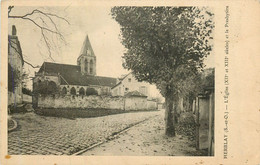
39	135
146	139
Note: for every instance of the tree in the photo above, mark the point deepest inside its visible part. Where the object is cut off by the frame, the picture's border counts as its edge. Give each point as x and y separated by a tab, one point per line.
165	46
47	23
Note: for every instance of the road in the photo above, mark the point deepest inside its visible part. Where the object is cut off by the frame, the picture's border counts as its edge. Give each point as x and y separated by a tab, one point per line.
145	139
40	135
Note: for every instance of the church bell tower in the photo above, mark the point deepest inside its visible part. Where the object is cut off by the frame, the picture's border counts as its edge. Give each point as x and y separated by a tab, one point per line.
87	59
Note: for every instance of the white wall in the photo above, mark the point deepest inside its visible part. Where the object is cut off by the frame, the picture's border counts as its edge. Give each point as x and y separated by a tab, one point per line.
15	60
135	103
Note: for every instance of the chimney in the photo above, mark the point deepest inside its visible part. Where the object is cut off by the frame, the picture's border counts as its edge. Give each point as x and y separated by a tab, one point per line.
13	30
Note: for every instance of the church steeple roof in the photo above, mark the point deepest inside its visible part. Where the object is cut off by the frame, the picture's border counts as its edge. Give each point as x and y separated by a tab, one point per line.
87	48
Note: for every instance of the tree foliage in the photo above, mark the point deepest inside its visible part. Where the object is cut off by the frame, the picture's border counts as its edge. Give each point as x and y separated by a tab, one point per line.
45	88
161	39
165	46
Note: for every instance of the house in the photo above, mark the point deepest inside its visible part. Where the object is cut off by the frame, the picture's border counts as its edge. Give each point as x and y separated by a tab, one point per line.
128	83
15	66
77	79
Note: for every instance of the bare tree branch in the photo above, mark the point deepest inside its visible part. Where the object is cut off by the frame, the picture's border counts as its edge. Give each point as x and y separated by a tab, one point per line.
37	11
37	66
46	19
47	44
15	49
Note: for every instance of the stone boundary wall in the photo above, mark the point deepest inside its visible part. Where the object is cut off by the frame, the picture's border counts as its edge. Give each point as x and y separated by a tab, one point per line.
73	101
151	104
102	102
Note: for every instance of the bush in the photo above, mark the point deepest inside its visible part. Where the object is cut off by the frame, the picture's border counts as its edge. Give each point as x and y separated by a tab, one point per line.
91	91
187	125
13	108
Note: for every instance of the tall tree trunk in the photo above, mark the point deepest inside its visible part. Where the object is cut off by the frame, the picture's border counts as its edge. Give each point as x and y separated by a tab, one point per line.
169	123
175	109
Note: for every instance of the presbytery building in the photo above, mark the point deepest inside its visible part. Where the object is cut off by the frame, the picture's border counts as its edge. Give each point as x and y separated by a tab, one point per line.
128	83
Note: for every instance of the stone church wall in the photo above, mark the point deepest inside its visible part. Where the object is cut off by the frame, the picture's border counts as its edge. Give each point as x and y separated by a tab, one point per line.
71	101
104	102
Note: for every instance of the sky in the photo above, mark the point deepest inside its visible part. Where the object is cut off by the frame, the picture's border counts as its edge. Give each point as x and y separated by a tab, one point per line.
96	22
102	30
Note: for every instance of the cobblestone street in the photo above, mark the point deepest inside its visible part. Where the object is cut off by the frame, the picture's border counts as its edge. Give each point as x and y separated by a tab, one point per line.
39	135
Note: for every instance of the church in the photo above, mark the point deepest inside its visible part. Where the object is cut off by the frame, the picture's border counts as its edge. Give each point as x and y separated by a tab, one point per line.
80	79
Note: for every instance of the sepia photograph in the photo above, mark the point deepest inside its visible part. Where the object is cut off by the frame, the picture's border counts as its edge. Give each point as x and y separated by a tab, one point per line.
111	80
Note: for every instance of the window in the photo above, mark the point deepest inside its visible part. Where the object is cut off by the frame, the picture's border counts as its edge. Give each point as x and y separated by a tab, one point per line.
91	67
129	79
126	89
86	66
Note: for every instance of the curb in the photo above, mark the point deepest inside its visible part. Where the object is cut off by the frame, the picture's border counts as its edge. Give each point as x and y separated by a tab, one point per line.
111	137
14	127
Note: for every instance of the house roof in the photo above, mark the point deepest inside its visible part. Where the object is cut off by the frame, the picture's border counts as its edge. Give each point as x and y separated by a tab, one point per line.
134	94
121	79
124	76
71	75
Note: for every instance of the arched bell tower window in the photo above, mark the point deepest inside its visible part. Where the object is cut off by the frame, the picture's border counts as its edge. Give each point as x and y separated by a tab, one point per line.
86	66
91	67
